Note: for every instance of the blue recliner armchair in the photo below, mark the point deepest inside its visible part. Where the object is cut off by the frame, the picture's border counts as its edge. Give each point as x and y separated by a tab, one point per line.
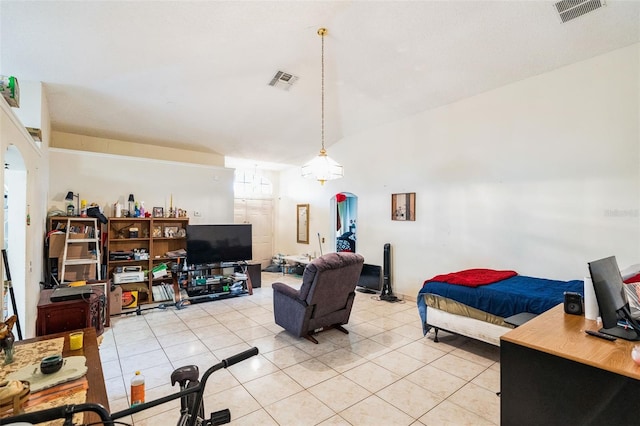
325	298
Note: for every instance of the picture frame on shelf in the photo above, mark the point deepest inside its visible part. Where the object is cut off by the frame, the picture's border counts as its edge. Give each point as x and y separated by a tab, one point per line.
170	231
181	233
157	231
158	212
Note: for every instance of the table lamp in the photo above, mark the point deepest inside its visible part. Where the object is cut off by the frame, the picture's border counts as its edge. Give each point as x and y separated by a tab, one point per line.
69	197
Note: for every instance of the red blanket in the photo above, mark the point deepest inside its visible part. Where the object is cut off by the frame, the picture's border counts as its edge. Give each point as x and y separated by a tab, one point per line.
474	277
633	279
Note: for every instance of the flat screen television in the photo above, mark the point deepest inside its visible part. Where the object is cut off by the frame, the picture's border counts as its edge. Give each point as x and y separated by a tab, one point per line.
370	279
612	301
208	244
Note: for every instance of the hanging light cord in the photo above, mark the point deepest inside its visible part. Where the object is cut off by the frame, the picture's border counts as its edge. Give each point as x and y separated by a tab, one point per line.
322	32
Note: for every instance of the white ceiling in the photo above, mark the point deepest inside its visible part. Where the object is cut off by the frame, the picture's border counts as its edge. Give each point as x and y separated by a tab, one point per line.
195	74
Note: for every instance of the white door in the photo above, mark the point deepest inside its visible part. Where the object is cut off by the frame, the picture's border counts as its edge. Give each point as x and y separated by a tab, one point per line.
259	213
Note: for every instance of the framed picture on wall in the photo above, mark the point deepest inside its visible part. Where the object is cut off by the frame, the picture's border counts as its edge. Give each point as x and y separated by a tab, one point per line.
403	206
158	212
302	223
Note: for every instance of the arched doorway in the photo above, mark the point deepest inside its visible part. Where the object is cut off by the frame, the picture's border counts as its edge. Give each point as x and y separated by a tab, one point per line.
345	208
15	213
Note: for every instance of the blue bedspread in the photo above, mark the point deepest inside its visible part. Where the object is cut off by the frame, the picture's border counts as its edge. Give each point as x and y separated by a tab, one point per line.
504	298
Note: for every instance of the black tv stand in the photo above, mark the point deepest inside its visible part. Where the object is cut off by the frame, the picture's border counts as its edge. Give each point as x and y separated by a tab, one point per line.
206	282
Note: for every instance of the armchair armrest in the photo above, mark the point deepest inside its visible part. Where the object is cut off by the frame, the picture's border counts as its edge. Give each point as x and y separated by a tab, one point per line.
286	290
290	312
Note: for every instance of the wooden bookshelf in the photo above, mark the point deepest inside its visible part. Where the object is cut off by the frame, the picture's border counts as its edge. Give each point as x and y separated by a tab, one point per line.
154	236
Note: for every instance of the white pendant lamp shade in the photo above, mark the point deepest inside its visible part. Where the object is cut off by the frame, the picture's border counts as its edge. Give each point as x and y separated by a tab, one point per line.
322	168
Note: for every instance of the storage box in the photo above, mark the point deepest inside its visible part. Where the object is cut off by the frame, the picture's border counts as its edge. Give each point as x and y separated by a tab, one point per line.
159	271
133	232
78	236
115	301
129	299
77	272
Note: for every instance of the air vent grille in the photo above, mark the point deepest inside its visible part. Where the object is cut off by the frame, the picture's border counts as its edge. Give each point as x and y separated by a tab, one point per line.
283	80
572	9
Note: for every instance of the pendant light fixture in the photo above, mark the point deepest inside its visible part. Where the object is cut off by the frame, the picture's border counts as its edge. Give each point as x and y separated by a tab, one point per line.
322	168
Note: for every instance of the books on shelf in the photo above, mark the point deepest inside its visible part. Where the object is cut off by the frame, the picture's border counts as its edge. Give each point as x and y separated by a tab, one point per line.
162	292
78	231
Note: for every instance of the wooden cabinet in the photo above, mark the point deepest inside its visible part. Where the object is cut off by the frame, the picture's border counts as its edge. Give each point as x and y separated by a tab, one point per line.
143	243
254	270
57	317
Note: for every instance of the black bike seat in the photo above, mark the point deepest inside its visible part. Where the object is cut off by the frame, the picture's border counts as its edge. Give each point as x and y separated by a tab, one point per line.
182	374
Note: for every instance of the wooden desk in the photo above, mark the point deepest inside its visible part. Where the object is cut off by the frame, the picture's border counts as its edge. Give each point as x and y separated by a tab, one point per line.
552	372
96	392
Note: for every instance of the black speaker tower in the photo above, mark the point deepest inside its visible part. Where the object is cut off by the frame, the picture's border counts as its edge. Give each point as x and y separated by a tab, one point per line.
387	294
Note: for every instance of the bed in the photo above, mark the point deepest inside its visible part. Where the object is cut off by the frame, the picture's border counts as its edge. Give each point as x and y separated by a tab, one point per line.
475	302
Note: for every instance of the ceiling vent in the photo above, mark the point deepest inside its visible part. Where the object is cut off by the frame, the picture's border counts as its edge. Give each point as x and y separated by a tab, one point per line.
572	9
283	80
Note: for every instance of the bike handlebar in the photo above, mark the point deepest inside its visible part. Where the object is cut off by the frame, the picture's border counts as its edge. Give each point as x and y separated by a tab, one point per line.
61	412
66	411
234	359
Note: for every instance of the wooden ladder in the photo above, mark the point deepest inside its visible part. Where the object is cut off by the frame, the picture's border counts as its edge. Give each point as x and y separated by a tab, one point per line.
94	238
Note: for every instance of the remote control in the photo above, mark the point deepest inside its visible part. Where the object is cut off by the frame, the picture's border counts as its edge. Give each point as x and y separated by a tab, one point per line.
600	335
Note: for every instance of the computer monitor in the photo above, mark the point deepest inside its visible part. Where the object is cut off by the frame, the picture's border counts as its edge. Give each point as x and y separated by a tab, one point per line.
609	289
370	280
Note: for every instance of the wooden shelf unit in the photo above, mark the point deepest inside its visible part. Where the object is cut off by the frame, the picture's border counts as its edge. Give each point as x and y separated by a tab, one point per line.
147	238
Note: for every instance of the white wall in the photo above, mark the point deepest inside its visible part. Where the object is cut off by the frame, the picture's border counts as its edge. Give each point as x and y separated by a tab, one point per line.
105	179
12	132
540	176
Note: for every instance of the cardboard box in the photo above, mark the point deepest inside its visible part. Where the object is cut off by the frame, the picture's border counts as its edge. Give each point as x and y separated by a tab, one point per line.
77	272
74	251
77	250
115	301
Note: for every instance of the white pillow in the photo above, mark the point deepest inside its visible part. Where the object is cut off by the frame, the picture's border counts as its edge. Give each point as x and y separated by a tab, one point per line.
630	271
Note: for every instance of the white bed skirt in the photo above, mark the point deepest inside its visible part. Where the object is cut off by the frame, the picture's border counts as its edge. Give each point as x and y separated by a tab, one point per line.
466	326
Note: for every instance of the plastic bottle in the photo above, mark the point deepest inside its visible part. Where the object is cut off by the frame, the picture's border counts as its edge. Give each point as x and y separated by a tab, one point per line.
142	209
137	389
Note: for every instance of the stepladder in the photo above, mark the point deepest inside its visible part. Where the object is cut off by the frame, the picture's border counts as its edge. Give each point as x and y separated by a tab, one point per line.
81	249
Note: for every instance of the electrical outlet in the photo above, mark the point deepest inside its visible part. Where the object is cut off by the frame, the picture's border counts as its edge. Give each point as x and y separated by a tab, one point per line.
323	240
196	213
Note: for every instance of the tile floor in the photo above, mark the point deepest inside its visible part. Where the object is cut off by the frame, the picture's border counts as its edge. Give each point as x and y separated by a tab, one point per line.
383	373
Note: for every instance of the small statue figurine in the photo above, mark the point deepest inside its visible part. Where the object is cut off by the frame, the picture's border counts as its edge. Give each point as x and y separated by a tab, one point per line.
7	338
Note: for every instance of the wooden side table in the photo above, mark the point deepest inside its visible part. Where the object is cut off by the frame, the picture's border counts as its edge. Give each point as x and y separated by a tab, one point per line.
58	317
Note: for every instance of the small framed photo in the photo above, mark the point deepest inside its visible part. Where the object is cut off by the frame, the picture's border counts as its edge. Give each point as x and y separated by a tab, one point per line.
403	206
170	231
157	231
158	212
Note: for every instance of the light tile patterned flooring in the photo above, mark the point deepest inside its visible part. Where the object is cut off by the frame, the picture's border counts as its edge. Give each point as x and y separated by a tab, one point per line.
384	372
